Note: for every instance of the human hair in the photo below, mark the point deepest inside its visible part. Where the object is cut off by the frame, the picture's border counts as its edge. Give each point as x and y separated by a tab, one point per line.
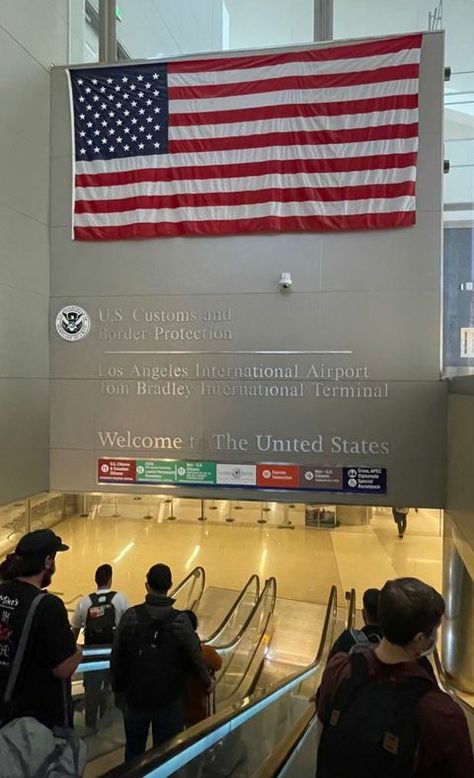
159	578
8	568
408	606
192	618
103	575
370	601
27	566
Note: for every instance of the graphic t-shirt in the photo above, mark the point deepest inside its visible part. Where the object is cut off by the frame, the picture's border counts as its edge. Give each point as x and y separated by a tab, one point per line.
37	692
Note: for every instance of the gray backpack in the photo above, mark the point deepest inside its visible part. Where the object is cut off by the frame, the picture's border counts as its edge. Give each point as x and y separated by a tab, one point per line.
28	748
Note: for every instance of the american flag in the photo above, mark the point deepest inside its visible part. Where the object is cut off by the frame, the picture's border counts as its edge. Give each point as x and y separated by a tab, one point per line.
313	139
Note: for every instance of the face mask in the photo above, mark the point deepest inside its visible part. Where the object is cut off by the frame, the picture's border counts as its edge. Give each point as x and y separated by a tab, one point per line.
431	649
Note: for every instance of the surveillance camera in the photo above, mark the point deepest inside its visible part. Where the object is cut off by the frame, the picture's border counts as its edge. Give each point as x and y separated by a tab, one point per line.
285	281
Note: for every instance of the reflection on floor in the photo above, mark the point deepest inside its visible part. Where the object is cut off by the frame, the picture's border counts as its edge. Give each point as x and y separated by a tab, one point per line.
305	561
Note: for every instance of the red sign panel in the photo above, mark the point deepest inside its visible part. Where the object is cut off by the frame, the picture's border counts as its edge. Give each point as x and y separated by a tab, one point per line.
124	470
279	476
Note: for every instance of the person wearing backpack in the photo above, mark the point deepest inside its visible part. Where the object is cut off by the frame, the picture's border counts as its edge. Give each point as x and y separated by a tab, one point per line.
370	634
382	713
98	614
154	651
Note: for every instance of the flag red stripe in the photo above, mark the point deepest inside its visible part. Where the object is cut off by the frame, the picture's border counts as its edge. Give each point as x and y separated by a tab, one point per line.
338	165
296	194
286	83
239	226
351	51
279	139
284	111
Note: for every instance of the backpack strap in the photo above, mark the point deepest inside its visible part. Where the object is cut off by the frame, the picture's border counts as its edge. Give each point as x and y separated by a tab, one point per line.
21	648
95	597
359	637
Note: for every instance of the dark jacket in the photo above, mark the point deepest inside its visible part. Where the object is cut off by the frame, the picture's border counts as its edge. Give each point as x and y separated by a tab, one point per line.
125	642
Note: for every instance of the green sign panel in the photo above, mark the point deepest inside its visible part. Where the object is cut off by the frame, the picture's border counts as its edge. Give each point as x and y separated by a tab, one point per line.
156	471
196	472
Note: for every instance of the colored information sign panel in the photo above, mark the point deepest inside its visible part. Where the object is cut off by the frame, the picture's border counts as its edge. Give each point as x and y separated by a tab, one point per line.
196	472
117	470
236	475
323	478
156	471
278	476
365	479
269	476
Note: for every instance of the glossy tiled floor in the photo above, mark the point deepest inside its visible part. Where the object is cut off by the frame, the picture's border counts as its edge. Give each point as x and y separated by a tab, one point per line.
305	561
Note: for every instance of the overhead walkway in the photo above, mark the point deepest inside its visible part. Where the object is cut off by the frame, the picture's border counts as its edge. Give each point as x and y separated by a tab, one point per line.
241	738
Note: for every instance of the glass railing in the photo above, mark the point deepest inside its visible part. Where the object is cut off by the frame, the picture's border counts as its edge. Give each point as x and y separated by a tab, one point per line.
188	593
237	615
242	659
238	740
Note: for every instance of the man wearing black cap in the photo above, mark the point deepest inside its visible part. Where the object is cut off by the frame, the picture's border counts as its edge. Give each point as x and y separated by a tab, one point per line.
155	649
51	655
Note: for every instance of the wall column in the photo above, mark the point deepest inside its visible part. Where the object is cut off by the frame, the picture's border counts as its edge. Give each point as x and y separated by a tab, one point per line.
458	625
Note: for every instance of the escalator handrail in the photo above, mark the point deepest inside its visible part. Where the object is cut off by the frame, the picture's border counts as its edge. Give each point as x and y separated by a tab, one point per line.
271	584
234	607
352	609
235	640
198	573
212	730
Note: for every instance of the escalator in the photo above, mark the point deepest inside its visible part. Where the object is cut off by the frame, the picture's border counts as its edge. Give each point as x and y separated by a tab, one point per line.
246	732
241	639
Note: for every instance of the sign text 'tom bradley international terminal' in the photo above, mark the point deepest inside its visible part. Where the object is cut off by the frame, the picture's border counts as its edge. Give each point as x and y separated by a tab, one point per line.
225	442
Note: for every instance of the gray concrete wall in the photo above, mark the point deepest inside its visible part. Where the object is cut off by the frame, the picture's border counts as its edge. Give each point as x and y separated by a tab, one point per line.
32	36
375	294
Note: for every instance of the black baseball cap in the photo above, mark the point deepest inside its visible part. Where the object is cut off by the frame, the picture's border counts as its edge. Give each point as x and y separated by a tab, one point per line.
40	543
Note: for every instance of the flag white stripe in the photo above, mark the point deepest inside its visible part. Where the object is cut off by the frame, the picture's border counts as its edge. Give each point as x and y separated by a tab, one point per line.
291	96
294	124
237	156
251	211
250	183
328	67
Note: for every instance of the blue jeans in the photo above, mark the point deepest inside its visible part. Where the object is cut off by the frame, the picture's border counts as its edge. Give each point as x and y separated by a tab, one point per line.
166	722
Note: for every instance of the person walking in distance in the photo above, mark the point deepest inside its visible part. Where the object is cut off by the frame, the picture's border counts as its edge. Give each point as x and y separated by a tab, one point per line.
400	518
151	658
98	614
34	631
382	712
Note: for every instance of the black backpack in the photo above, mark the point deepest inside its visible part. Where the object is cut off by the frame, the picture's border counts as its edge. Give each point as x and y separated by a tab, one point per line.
100	620
158	668
373	728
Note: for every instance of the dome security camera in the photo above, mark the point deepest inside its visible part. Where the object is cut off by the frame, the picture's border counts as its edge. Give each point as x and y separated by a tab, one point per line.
285	282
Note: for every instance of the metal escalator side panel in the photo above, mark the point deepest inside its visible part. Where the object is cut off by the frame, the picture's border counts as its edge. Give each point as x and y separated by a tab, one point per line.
188	592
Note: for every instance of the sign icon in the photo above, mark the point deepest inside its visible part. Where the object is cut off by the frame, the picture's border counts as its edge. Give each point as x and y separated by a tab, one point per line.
309	475
73	323
352	482
266	473
352	473
104	468
181	471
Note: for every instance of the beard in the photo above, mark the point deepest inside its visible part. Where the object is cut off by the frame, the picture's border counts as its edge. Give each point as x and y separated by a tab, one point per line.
46	579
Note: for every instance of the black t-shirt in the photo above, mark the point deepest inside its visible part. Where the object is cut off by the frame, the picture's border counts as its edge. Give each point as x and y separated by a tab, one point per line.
37	692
